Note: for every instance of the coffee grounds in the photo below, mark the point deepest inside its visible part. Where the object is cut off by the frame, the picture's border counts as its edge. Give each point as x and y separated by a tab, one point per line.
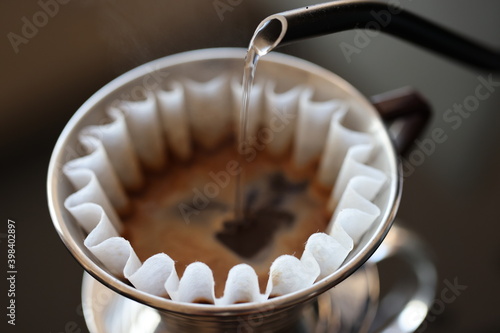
262	218
284	201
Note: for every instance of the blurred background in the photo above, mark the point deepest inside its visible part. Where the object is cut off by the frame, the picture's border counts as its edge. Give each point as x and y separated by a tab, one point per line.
48	70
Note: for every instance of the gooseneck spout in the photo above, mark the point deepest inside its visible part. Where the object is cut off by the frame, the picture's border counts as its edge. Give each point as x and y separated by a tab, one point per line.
294	25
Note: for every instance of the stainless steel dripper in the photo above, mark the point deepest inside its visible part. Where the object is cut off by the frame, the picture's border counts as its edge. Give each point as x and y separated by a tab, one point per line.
303	23
115	306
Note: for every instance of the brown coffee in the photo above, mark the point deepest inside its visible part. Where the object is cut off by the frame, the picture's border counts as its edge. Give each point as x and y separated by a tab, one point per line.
187	212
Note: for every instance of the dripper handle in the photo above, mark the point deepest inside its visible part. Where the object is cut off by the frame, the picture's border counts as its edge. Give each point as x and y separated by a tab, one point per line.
406	114
344	15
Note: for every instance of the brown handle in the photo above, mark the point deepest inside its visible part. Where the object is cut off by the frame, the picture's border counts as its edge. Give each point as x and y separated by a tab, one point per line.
406	113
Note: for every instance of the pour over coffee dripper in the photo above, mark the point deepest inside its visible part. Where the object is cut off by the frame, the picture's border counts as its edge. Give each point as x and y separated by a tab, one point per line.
115	306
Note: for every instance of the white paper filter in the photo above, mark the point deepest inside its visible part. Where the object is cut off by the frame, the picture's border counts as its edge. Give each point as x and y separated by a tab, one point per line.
170	119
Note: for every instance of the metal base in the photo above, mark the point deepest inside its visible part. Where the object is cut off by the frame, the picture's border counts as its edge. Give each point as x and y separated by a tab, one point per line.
349	307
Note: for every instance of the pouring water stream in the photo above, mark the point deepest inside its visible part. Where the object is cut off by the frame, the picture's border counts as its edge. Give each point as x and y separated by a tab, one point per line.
265	38
327	18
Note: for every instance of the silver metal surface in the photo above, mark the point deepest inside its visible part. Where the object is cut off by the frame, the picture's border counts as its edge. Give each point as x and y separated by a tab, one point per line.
420	295
349	307
276	314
